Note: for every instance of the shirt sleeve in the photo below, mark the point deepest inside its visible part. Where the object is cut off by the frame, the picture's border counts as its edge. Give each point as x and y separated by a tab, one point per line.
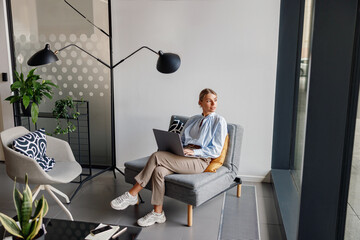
190	120
214	148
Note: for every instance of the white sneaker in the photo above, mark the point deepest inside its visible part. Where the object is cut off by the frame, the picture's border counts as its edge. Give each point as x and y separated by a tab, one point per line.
151	218
123	201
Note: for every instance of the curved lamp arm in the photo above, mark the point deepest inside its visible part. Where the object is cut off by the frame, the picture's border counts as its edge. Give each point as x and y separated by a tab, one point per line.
74	45
122	60
167	62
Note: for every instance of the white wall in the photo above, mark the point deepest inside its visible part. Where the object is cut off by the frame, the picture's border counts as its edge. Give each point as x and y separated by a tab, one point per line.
229	46
6	114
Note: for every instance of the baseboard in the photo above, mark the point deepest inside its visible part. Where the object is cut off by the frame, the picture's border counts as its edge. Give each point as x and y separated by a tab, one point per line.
249	178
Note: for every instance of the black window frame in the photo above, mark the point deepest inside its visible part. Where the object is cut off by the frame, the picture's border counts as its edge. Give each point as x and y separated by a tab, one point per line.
319	212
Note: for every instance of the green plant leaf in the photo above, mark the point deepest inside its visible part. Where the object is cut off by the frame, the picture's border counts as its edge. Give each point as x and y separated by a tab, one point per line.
46	208
15	85
14	99
31	73
41	210
27	189
26	209
48	95
49	82
17	75
39	223
18	198
35	77
76	115
9	98
37	99
10	225
36	85
41	207
35	227
26	101
62	109
34	112
31	90
32	231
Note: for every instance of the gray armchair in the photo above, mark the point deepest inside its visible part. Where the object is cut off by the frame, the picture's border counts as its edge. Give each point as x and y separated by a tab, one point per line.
195	189
65	170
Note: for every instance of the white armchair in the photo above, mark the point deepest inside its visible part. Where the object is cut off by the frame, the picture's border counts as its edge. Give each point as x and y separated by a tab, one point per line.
65	170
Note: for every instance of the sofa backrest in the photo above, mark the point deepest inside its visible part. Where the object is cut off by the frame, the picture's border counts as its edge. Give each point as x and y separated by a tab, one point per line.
235	131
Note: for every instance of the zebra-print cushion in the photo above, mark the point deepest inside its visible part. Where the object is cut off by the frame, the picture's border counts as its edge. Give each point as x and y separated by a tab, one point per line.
176	126
34	145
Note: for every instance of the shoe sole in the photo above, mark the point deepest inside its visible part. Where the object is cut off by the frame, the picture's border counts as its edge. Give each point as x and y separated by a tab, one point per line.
148	225
118	208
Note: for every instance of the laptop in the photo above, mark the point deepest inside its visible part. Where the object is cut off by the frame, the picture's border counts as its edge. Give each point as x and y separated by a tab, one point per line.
169	142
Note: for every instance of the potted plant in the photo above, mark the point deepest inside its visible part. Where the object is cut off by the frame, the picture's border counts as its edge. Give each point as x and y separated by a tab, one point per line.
65	109
30	92
28	227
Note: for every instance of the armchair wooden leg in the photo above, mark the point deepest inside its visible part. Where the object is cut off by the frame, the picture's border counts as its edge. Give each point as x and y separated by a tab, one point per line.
238	190
190	215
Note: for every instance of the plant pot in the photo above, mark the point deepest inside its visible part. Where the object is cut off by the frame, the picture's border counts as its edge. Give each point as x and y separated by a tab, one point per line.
39	236
27	111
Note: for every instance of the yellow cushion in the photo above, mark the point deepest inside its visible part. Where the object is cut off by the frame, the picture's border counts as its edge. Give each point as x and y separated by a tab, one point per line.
219	161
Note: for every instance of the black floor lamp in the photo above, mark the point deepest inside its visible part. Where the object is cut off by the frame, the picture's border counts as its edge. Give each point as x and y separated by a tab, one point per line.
167	63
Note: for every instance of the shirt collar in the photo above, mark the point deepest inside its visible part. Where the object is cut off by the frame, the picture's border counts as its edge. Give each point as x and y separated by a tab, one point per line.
211	114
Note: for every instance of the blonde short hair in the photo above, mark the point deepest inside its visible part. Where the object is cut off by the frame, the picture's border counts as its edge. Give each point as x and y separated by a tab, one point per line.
204	92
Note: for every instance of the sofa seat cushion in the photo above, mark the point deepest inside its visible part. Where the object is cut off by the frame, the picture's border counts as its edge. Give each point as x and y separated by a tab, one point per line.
190	181
193	196
137	164
201	194
194	181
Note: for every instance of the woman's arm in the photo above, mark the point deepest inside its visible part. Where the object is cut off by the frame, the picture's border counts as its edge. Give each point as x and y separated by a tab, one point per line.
188	122
214	148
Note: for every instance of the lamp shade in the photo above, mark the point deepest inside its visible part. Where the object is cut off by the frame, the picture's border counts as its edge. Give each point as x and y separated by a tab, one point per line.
168	62
42	57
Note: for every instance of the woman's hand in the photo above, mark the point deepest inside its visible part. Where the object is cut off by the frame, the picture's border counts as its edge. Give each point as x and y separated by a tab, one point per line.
188	152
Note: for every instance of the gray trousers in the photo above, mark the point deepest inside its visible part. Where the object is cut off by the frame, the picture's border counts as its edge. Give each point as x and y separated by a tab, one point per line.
161	164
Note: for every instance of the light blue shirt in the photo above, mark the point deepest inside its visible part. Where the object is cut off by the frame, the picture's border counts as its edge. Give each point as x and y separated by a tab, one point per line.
210	136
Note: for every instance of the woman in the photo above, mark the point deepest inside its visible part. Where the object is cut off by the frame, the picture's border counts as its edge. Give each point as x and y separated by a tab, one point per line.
203	138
